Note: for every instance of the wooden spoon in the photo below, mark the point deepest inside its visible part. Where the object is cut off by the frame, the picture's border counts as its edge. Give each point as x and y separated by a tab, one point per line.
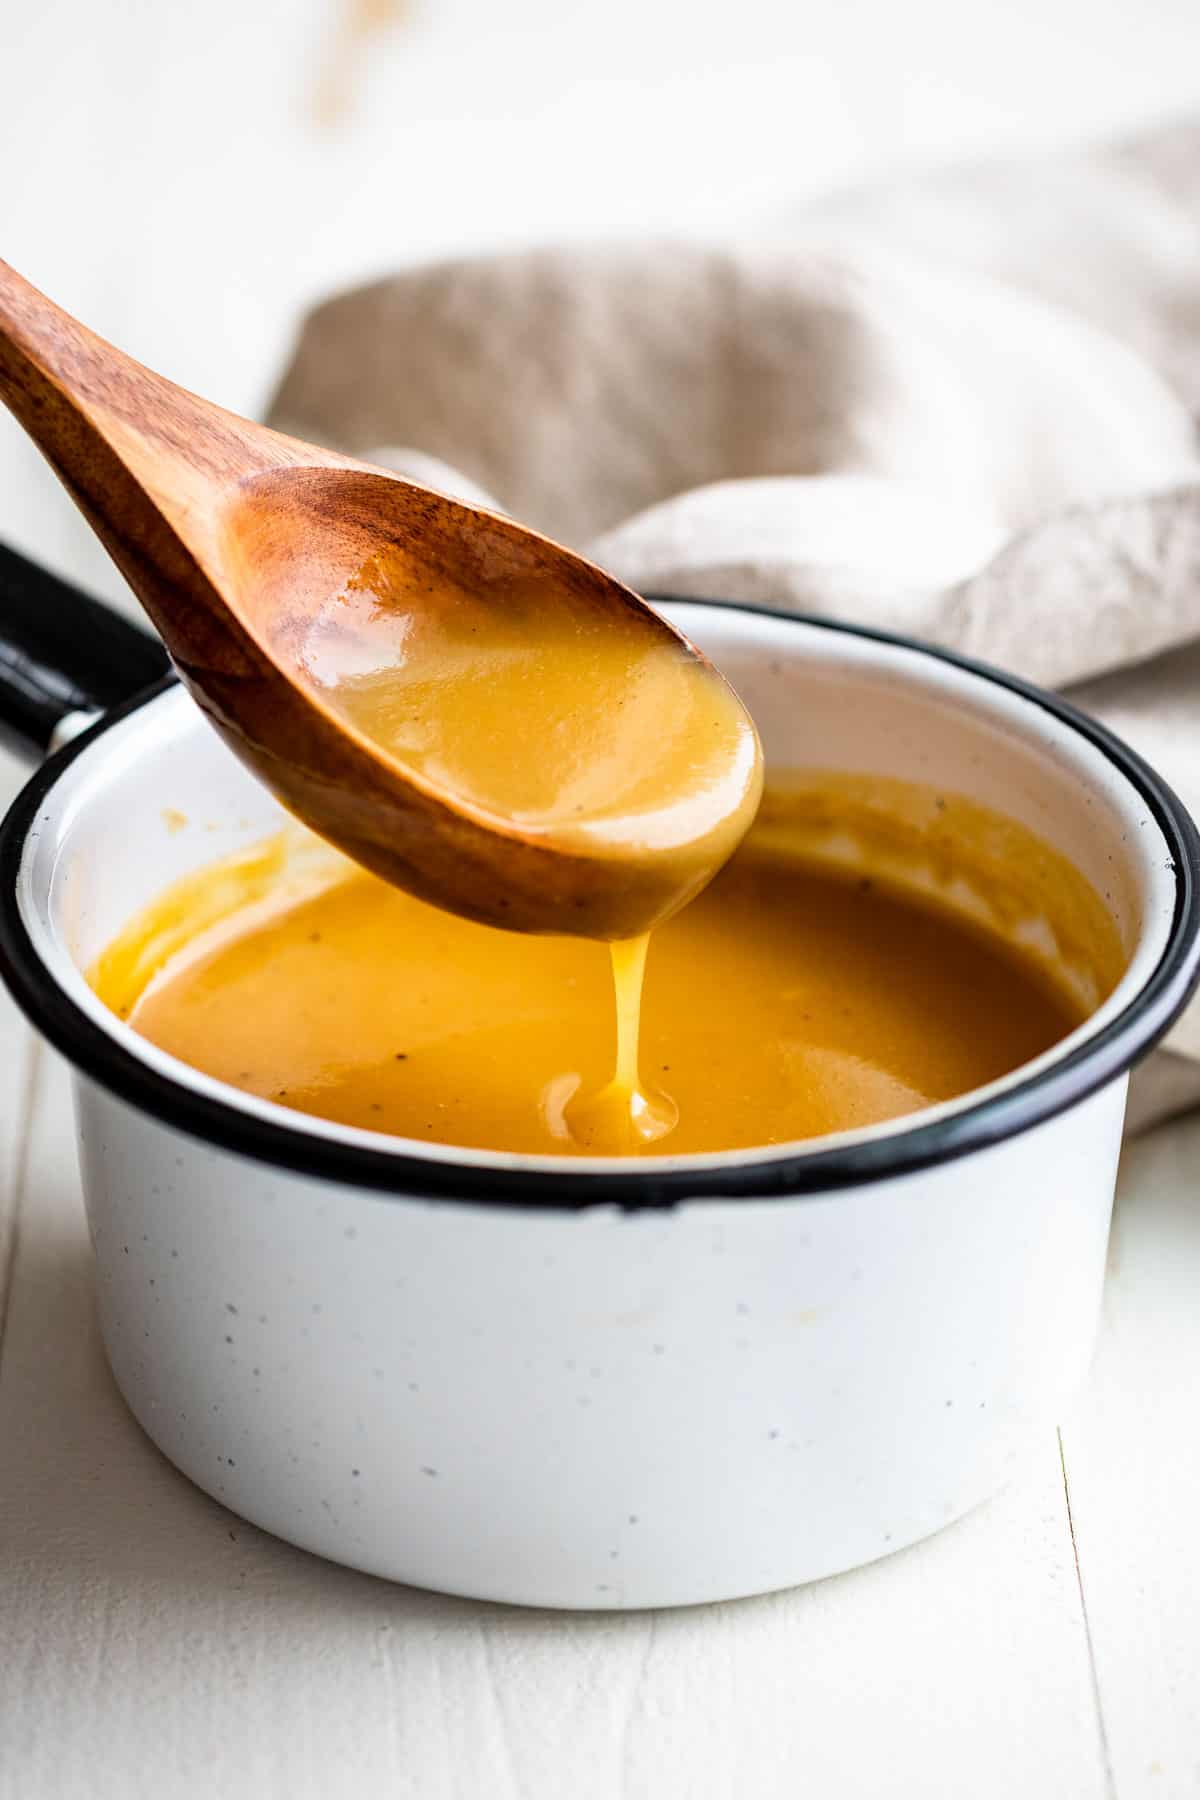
236	539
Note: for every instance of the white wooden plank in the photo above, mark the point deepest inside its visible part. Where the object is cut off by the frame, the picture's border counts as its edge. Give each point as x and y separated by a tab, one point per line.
1133	1456
17	1062
157	1649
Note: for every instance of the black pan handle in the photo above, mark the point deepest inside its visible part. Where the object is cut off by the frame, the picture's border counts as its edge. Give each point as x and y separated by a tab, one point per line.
62	652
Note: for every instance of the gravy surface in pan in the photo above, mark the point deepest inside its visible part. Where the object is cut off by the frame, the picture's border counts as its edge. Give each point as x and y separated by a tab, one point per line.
822	981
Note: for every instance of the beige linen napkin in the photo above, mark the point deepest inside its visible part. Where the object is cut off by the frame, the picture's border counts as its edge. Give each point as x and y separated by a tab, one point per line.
961	406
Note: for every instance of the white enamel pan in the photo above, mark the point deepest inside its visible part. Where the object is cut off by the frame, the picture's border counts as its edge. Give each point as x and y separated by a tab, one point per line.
588	1383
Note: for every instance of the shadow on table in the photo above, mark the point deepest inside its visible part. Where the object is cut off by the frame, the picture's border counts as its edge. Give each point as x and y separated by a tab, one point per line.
1156	1221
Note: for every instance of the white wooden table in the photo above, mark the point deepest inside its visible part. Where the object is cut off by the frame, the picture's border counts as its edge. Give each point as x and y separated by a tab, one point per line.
153	1647
165	177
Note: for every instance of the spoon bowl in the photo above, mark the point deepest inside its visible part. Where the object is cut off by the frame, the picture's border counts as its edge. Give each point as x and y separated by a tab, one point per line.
466	708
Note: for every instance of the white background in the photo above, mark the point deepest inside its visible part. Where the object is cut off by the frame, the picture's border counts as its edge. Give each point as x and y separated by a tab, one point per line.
165	176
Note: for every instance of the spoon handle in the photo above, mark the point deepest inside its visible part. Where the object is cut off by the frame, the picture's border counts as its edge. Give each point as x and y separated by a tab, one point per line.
151	467
114	433
58	377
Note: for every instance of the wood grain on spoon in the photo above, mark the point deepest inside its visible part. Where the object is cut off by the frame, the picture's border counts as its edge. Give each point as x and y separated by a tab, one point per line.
309	601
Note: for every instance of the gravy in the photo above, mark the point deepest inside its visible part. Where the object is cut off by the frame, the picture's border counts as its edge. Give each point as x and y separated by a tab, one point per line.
574	728
794	997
